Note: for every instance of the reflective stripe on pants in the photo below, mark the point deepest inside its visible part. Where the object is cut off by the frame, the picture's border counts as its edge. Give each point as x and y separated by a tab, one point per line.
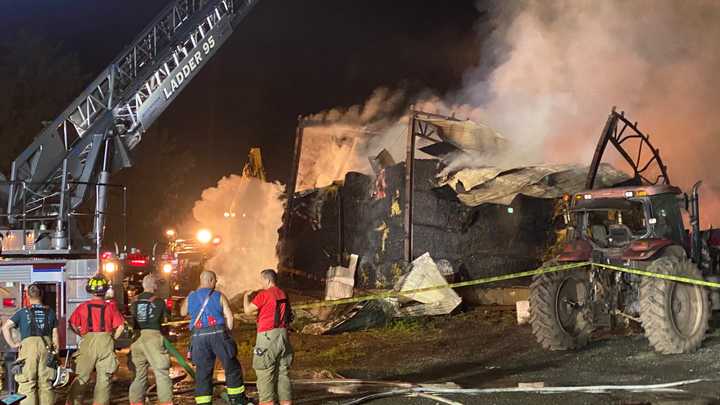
204	399
206	347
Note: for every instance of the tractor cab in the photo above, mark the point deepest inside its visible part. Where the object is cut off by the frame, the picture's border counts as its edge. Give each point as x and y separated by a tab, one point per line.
626	223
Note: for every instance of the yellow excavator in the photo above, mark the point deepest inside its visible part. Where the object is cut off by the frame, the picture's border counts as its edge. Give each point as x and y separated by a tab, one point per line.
254	166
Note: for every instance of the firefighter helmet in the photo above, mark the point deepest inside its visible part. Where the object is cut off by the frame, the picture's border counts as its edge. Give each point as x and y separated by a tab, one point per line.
98	285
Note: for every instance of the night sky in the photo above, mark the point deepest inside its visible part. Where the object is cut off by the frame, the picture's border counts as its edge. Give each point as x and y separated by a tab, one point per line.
286	58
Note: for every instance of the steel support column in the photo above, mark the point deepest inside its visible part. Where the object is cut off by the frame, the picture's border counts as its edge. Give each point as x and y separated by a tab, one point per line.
292	181
409	187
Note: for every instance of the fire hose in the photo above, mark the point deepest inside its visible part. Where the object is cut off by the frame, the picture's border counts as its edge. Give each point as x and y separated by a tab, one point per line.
673	387
179	357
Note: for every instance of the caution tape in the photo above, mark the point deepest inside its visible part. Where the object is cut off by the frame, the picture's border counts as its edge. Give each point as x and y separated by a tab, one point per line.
493	279
486	280
177	323
680	279
394	294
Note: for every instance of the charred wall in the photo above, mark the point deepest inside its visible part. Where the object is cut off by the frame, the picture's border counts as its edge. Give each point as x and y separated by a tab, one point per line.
365	216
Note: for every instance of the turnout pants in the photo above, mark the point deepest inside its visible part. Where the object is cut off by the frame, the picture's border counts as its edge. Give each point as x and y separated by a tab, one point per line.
96	353
149	351
36	378
272	358
207	345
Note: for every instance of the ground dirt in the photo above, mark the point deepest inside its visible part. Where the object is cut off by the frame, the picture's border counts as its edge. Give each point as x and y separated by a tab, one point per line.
479	348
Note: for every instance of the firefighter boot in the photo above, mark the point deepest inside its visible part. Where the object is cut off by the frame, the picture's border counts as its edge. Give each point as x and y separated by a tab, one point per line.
239	399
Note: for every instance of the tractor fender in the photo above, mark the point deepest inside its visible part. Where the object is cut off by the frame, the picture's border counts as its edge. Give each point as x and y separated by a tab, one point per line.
647	249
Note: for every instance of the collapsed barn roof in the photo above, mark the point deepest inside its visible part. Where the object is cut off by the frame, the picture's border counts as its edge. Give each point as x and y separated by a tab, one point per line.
494	185
450	139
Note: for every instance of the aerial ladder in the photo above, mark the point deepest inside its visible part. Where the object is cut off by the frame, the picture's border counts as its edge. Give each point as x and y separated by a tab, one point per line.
54	204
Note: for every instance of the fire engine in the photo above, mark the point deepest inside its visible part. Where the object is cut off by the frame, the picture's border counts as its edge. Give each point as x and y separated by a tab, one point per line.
55	205
182	260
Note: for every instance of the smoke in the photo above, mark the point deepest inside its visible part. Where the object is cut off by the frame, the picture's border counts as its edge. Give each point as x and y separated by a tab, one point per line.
555	70
564	64
341	140
249	232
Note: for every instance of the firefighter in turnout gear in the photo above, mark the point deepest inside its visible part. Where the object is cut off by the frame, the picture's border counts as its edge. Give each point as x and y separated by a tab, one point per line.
148	350
211	321
38	329
99	322
273	354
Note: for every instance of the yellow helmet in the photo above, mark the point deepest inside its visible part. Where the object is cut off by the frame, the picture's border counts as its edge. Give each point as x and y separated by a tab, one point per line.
98	285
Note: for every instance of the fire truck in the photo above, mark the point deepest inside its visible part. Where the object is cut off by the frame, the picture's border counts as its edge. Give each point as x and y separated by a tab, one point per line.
183	258
55	204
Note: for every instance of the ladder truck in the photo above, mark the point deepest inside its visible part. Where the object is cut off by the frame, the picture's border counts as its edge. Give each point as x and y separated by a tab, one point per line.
54	204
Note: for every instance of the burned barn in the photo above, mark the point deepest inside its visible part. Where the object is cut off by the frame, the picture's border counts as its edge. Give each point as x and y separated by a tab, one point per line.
481	221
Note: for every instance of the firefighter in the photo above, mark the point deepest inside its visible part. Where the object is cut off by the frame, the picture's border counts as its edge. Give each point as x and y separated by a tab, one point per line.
38	330
273	354
99	322
211	321
148	314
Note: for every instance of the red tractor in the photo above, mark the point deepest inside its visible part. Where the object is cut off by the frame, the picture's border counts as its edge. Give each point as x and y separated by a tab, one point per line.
637	224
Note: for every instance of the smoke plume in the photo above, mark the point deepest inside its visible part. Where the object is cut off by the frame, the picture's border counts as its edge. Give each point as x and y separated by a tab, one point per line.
246	213
555	71
341	140
565	63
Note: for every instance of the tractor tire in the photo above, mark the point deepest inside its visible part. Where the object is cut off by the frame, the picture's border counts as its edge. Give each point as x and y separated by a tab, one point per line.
559	310
674	315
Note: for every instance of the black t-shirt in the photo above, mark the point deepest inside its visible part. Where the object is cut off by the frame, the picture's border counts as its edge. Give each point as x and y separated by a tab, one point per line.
45	321
148	311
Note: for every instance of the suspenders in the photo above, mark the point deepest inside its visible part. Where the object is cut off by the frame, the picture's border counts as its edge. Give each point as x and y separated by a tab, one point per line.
34	329
285	318
90	318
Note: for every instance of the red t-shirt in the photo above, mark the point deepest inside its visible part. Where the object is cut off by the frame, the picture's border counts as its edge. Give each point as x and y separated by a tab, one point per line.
80	320
265	301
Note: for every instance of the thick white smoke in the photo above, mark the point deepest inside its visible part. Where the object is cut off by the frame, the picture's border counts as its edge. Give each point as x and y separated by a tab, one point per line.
557	69
341	140
567	62
249	230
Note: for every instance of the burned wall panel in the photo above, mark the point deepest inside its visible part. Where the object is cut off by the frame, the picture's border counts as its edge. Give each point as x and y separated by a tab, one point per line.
486	240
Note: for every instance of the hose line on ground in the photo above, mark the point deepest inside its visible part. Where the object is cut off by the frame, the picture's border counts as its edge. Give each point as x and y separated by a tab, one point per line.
591	389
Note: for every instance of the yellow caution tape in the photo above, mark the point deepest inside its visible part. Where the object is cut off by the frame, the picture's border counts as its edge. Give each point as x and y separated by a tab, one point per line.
493	279
486	280
392	294
680	279
177	323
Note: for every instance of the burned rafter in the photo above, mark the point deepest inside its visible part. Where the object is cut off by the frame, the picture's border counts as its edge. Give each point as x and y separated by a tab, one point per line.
614	132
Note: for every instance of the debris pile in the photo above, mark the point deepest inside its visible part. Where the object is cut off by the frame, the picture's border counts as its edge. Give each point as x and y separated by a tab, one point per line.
423	273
